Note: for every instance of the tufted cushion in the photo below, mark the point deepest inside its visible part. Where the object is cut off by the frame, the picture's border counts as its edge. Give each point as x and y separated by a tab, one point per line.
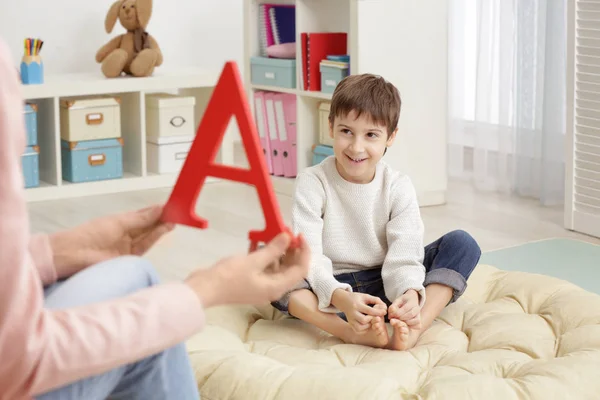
511	336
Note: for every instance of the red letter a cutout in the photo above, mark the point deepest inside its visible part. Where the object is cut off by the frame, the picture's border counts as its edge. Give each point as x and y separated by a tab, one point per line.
227	99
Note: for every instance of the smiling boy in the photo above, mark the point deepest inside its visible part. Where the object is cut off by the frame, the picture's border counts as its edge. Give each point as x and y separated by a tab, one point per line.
362	222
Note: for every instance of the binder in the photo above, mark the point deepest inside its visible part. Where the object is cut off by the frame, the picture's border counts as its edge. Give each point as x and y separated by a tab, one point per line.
285	113
283	22
305	59
262	29
276	148
316	46
265	18
260	116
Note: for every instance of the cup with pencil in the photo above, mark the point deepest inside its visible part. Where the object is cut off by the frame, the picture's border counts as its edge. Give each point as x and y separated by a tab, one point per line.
32	67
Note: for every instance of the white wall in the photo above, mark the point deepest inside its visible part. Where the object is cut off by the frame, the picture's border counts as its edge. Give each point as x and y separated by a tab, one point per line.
186	30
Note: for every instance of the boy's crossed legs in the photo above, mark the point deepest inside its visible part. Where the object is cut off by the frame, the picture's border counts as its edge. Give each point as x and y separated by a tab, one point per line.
449	261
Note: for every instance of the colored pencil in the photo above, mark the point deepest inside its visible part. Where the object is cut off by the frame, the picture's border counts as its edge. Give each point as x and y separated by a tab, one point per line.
33	46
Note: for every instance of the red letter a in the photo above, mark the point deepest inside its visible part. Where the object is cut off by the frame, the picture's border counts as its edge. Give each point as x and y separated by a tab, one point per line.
227	99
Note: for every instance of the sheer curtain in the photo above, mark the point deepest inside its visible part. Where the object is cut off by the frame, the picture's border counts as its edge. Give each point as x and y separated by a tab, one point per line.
507	96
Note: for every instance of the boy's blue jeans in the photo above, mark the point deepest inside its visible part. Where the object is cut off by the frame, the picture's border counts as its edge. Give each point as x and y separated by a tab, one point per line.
166	375
448	261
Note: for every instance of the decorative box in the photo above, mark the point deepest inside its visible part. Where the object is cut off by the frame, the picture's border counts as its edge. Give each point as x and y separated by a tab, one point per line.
166	155
169	115
320	153
31	166
277	72
90	118
324	137
92	160
30	113
332	72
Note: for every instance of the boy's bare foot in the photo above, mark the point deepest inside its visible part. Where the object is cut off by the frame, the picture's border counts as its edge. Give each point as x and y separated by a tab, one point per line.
403	337
375	336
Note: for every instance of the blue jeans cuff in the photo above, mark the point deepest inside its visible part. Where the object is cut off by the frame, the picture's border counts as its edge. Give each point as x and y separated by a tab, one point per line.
447	277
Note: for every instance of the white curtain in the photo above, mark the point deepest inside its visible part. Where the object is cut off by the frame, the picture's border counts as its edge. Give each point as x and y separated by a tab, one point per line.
507	96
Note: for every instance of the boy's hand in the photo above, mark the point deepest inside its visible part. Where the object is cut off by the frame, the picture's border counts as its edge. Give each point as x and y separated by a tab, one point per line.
357	308
406	308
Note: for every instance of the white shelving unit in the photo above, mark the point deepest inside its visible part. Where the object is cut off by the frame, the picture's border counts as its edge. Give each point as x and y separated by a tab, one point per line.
402	40
132	91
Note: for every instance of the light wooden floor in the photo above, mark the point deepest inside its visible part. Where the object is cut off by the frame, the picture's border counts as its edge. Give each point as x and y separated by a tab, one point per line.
233	209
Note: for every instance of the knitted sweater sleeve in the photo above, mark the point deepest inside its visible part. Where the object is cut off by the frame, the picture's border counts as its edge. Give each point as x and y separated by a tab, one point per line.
403	268
307	218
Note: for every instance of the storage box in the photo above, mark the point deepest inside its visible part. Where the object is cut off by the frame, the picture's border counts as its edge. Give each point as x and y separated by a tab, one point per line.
331	74
31	166
91	118
277	72
320	153
169	115
324	137
166	155
30	114
92	160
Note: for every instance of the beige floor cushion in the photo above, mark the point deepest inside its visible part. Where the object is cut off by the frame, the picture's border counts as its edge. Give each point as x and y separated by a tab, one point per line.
511	336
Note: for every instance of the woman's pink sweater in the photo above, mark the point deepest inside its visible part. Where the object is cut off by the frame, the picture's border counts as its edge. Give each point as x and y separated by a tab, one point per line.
42	349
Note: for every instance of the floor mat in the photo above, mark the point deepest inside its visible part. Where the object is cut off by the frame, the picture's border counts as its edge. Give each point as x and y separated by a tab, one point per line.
572	260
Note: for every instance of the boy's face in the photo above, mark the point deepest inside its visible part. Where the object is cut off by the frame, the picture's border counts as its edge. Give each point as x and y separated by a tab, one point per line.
358	146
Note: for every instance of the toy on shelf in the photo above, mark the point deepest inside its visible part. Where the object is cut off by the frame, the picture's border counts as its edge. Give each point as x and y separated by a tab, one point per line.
136	52
32	66
228	99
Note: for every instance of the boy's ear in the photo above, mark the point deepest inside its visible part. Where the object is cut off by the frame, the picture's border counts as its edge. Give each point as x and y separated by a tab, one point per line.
392	137
330	130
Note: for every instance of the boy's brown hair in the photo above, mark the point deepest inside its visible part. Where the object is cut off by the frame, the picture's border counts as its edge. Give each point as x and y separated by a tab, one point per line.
369	94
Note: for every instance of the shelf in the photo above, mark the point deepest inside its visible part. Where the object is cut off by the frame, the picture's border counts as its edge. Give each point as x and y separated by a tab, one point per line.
129	182
297	92
403	41
83	84
132	92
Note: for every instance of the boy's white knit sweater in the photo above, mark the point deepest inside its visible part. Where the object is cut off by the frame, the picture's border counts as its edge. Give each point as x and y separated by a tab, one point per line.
351	227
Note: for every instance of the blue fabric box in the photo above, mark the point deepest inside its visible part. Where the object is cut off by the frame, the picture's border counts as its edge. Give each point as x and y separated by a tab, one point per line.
320	153
30	114
277	72
30	161
331	75
92	160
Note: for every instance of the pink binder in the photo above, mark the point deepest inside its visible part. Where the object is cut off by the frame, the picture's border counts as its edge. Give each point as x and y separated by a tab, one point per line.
276	147
285	112
260	116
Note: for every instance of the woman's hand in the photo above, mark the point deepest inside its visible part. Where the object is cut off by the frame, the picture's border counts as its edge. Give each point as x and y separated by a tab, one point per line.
130	233
256	278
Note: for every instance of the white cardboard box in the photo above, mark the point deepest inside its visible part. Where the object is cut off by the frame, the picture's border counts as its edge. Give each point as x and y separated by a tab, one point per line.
169	115
166	155
324	137
90	118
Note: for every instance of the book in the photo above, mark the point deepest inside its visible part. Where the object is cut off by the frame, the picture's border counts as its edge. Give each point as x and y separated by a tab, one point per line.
317	46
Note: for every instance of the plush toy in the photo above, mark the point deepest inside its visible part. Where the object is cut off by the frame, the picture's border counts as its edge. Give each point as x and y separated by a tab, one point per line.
136	52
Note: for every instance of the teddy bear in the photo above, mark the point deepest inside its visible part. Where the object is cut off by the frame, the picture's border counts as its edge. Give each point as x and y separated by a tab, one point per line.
136	52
